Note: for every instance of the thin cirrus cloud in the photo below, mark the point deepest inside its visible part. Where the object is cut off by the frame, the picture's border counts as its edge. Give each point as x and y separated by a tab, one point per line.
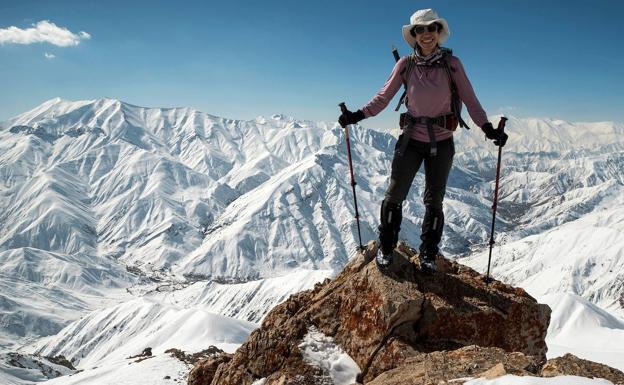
42	32
49	55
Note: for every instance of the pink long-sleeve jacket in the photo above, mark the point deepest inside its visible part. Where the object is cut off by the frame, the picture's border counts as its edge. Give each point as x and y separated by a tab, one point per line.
428	94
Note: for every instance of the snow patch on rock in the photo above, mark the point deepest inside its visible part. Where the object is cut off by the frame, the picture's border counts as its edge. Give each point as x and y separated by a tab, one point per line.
320	350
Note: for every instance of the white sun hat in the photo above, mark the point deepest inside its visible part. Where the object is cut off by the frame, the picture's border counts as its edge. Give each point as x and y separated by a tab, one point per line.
425	17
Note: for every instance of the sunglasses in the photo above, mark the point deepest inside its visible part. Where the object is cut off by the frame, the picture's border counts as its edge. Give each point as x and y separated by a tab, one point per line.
420	29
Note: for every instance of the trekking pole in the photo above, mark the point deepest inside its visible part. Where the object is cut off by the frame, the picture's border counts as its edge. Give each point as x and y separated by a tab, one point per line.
501	127
343	108
395	53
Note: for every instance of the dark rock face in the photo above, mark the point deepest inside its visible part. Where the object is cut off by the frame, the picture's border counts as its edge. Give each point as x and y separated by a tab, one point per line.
385	321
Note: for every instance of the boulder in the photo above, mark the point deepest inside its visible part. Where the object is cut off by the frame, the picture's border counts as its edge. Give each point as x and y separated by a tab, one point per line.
386	320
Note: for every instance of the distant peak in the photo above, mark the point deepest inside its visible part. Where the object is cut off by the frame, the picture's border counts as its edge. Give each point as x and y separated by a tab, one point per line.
108	100
282	117
53	101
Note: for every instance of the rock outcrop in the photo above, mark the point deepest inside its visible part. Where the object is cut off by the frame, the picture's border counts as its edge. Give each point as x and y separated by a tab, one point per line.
386	321
570	365
467	362
205	363
404	326
204	371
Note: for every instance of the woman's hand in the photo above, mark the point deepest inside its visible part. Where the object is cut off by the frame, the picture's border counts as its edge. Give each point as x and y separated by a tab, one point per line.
349	117
497	135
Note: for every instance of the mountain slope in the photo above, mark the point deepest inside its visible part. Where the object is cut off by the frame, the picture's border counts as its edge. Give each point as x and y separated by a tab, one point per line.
125	330
585	330
42	291
583	257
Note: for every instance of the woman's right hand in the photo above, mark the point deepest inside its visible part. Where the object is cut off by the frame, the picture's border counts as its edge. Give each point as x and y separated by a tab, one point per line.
349	117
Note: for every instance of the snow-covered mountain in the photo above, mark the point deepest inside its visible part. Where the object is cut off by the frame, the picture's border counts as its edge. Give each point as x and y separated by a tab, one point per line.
108	208
127	329
174	189
187	318
584	329
40	291
585	254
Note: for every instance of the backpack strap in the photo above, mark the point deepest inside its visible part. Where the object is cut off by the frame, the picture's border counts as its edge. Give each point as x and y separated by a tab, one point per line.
405	74
455	101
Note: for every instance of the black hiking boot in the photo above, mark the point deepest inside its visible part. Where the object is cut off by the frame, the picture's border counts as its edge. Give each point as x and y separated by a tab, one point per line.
382	260
390	216
428	263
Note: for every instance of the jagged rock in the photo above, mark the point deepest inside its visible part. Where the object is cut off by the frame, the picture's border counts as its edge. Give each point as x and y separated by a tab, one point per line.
383	320
193	358
571	365
471	361
204	370
61	360
147	352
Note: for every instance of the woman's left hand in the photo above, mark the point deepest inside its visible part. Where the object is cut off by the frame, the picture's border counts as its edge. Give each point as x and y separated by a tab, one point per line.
497	135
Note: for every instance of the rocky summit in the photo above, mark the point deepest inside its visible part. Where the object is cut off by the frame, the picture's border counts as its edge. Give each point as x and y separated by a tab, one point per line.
400	326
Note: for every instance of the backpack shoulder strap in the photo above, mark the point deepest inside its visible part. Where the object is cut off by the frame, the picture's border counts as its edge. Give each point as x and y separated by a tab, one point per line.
405	75
455	100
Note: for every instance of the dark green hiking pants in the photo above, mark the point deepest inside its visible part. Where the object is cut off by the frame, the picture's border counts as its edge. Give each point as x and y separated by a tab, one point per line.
404	169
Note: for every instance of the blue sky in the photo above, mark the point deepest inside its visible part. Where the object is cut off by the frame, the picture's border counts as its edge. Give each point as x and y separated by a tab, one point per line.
241	59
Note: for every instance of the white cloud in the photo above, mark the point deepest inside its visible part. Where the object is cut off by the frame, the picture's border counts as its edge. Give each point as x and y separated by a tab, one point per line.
49	55
42	32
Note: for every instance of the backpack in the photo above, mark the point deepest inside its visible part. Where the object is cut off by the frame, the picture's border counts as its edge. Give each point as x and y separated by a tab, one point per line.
455	100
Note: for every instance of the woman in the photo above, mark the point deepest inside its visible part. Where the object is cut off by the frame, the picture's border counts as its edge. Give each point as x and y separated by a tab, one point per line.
436	86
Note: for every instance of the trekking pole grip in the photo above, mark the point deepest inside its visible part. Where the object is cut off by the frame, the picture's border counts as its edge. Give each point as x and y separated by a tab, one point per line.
501	123
395	53
343	109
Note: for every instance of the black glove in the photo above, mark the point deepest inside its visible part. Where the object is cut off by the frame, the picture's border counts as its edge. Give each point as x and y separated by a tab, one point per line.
497	135
349	117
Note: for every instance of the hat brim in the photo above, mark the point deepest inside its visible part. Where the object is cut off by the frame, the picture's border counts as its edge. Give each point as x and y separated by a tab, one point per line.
443	36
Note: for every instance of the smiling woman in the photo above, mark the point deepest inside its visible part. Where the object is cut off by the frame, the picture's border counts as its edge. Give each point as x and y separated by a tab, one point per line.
436	85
